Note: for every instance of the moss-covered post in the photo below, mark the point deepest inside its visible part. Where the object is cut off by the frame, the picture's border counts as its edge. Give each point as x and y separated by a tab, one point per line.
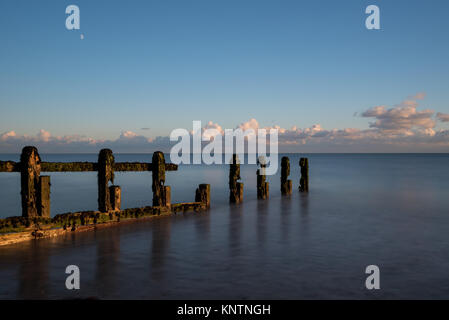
235	188
304	181
115	194
286	185
161	193
202	194
106	164
30	170
262	184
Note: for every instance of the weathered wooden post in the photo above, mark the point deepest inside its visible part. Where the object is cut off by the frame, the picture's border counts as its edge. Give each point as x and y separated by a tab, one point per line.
161	193
286	185
262	184
304	181
202	194
30	170
115	193
35	188
44	196
167	193
106	164
235	188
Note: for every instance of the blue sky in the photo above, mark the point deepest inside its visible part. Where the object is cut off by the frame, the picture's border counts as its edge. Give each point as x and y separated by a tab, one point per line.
162	64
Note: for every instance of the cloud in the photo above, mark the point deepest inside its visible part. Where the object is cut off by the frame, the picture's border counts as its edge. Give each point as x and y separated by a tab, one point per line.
8	135
211	130
402	127
44	135
250	124
443	117
418	96
128	135
403	119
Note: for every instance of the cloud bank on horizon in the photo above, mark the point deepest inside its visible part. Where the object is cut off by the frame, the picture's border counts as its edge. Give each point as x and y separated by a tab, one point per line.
401	128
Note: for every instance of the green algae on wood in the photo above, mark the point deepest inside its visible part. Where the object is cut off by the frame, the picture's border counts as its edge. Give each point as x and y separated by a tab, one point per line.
105	175
161	192
202	194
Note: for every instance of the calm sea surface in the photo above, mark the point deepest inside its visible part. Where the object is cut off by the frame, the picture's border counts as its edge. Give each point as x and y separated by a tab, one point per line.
390	210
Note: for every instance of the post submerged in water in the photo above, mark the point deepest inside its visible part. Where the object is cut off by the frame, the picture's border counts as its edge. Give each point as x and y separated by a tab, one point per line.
161	193
235	187
262	184
286	185
106	163
202	194
304	181
35	190
44	196
115	194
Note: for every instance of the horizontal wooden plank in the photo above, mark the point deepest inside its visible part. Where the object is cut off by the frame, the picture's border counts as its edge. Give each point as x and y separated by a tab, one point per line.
69	166
139	166
11	166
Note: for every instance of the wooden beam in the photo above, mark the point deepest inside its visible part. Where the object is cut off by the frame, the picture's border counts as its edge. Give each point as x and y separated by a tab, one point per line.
69	166
11	166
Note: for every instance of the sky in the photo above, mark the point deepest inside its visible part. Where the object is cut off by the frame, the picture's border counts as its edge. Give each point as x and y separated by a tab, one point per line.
136	70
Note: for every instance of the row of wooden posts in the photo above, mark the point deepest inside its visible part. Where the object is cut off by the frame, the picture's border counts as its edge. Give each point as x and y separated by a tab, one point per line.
35	189
263	190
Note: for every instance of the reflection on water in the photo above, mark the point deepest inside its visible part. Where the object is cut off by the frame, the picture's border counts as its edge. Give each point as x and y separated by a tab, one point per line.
361	210
107	269
160	245
33	272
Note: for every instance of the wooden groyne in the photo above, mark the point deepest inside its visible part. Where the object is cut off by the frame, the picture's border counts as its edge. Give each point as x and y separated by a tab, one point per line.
36	221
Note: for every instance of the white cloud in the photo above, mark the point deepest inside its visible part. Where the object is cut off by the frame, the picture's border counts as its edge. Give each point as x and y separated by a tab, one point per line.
128	135
443	117
403	118
250	124
8	135
44	135
399	128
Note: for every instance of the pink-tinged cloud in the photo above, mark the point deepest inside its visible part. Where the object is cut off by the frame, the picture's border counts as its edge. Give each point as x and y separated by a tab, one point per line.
402	127
401	119
443	117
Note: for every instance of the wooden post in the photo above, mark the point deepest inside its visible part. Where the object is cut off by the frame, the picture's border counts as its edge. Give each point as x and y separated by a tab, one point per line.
159	190
115	193
240	191
106	164
44	197
202	194
30	170
286	185
262	184
304	181
167	202
235	188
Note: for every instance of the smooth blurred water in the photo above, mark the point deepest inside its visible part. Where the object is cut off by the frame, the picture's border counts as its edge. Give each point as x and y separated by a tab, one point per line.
391	210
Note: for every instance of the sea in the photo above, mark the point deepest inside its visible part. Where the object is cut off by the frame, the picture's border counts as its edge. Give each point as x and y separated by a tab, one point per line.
385	210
